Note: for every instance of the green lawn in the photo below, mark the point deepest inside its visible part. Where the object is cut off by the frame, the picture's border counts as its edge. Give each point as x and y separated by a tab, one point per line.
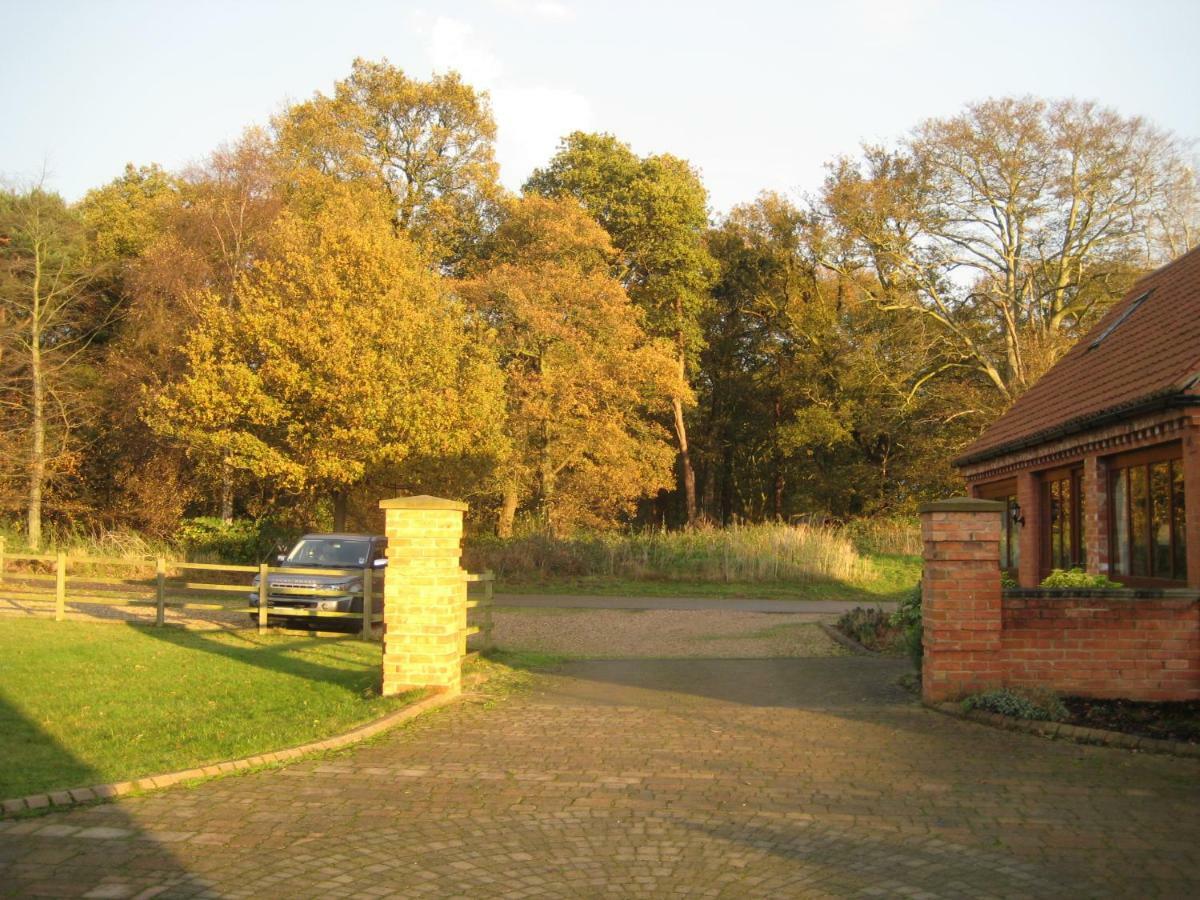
893	577
85	703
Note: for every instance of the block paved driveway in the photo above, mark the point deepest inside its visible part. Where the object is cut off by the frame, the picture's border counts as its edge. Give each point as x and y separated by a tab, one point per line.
789	777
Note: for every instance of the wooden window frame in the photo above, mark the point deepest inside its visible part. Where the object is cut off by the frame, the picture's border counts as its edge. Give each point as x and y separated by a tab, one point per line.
1118	467
1078	549
1001	491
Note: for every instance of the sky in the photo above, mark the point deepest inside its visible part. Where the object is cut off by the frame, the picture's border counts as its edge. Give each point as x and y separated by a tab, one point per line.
757	95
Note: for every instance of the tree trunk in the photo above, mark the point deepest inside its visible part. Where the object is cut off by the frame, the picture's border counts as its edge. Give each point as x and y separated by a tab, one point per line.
508	512
37	450
339	509
685	461
226	493
37	443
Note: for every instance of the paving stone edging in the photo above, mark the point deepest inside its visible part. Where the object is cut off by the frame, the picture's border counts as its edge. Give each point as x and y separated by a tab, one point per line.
78	796
846	641
1075	733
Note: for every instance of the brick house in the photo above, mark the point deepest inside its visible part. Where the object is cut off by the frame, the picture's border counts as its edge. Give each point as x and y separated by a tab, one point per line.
1098	464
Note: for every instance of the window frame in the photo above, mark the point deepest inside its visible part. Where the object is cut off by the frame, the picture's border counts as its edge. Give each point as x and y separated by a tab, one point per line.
1078	550
1119	466
1003	491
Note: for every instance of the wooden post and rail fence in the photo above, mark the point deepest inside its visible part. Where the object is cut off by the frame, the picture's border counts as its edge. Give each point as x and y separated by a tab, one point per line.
38	580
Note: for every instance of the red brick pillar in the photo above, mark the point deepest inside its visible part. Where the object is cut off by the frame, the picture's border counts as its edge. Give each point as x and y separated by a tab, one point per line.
960	597
1191	494
1095	514
1029	498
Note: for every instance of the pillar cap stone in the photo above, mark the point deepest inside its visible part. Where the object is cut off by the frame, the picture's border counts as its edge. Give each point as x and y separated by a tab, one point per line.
960	504
422	501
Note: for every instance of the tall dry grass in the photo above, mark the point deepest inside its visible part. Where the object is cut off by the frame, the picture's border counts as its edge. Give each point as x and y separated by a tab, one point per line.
893	535
750	553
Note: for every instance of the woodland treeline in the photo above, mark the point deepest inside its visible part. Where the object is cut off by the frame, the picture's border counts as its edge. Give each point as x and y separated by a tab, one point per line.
346	304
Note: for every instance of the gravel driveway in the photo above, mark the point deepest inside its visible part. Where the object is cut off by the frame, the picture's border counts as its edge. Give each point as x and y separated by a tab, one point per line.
662	634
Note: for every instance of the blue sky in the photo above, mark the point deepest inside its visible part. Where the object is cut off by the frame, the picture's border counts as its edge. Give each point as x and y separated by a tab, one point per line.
758	95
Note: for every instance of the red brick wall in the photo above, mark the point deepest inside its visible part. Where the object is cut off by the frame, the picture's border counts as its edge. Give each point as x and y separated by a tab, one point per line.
1141	649
1100	646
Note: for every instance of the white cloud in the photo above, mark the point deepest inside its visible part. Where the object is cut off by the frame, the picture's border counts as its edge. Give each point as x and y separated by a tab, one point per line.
530	118
531	121
452	45
542	9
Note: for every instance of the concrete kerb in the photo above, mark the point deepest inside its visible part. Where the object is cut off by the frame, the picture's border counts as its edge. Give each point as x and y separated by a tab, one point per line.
846	641
64	799
1063	731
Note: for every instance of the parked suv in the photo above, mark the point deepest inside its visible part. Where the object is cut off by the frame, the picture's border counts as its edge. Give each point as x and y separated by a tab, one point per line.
324	551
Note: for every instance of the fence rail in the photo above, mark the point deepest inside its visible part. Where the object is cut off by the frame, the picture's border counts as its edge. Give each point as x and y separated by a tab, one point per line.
166	586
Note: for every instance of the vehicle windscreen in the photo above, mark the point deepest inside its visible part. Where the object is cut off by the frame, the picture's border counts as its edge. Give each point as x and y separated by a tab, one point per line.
329	553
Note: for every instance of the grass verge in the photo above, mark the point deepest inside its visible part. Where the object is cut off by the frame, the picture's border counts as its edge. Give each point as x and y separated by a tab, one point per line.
85	703
889	578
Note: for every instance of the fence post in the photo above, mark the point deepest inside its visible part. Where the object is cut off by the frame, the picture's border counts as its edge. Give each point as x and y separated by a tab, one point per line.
60	587
488	587
160	590
264	591
1	560
368	610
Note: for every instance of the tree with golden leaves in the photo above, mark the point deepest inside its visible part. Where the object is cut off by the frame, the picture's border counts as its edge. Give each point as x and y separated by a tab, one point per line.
582	377
338	355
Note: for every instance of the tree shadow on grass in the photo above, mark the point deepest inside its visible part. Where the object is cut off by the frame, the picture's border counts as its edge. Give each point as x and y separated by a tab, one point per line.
69	852
272	652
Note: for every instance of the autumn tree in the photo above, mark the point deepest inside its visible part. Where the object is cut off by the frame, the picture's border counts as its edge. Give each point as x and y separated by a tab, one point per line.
338	354
1010	226
814	398
48	319
581	375
655	210
169	239
427	144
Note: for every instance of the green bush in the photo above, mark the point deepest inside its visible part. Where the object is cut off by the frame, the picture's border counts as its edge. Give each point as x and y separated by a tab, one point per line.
870	626
242	541
1007	581
1020	703
1077	578
907	618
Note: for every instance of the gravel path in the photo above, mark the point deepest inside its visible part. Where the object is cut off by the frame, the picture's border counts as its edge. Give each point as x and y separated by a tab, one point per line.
663	634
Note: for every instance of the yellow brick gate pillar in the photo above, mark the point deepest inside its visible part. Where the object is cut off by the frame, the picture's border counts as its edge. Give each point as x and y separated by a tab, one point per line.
424	595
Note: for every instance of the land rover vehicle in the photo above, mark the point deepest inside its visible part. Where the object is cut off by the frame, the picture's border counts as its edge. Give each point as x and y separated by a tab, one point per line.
287	590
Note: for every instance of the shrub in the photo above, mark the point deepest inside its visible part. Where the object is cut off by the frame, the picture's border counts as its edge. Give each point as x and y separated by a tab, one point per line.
1007	581
1077	578
1020	703
907	618
870	626
243	541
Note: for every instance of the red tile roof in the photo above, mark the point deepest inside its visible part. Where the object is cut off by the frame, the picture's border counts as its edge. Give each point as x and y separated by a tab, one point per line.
1152	356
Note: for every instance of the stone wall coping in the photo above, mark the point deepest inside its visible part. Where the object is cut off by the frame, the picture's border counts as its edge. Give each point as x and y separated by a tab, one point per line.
422	501
1186	594
960	504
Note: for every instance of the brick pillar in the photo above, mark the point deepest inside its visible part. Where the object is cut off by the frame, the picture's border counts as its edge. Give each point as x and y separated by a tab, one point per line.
960	597
1029	498
424	595
1191	495
1095	514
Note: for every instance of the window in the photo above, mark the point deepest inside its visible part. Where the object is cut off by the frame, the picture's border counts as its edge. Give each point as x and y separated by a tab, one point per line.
1148	516
1129	311
1065	544
1010	539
